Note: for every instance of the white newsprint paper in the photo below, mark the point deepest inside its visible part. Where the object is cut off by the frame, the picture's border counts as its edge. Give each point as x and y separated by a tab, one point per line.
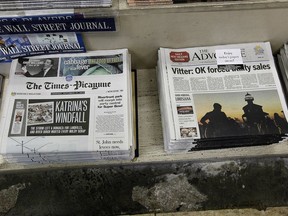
57	106
203	95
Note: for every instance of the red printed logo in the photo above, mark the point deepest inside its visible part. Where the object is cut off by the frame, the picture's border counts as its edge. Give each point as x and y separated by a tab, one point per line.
179	56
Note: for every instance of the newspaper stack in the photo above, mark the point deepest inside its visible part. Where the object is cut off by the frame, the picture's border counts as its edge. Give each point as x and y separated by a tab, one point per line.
220	97
282	60
51	4
148	2
75	107
193	1
166	2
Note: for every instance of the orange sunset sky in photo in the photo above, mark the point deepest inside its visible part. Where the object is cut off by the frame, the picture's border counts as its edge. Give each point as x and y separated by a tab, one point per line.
233	102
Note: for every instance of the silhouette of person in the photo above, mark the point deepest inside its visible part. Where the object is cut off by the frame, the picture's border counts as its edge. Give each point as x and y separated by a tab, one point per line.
254	116
216	122
47	71
281	123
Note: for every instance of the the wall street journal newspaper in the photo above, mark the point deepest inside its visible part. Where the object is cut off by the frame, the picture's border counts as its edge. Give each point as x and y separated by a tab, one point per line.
20	45
26	43
69	104
212	93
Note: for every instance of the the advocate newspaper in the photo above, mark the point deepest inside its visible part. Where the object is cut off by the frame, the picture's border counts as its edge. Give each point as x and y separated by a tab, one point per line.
209	98
72	103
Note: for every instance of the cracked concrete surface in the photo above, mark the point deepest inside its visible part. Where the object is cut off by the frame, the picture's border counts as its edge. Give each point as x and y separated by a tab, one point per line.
173	194
8	197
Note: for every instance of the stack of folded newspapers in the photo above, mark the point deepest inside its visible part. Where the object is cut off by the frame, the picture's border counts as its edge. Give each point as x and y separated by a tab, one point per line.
51	4
194	1
70	107
282	60
148	2
220	97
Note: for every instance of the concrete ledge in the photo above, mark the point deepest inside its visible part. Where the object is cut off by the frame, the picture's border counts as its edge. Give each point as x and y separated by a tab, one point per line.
146	188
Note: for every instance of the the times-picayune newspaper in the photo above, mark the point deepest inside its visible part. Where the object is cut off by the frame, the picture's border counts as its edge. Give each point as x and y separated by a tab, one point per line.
220	96
69	108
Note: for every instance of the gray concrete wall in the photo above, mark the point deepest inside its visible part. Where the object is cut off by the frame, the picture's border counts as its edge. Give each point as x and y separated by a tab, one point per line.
146	188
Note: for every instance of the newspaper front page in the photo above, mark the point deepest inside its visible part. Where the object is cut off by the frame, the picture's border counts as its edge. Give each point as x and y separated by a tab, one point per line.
20	45
72	103
212	99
